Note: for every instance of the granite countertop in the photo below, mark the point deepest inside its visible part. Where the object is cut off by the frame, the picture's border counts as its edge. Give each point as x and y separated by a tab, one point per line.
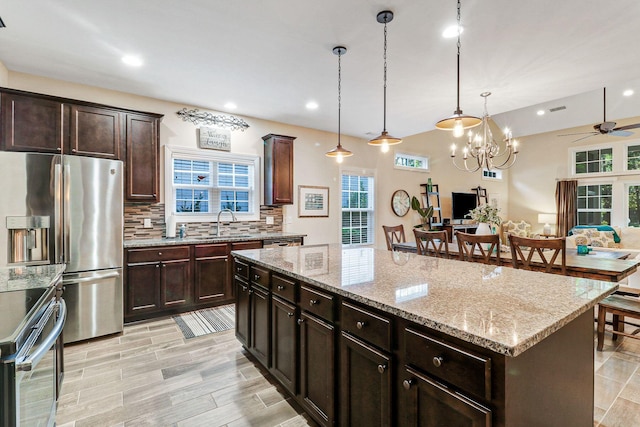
498	308
20	278
192	240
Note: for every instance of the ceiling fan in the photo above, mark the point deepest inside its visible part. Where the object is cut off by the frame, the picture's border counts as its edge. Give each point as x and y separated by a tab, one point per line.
605	128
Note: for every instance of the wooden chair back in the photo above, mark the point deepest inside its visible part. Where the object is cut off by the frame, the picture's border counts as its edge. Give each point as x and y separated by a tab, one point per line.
433	243
524	251
393	234
478	247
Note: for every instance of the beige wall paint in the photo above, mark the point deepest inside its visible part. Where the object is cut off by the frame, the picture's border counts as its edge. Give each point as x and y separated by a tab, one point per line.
311	166
4	75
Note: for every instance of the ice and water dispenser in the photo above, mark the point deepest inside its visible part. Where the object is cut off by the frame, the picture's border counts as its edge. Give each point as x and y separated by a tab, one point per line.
28	239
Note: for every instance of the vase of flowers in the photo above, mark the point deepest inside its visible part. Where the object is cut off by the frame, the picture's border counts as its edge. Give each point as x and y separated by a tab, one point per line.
485	215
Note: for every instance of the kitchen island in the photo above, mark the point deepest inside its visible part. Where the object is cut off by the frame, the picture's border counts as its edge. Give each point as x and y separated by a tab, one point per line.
389	338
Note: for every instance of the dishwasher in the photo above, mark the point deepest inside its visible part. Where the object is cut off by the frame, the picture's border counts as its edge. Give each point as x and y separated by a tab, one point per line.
283	241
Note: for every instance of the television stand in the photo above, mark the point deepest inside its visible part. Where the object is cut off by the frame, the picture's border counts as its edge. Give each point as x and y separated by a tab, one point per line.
465	228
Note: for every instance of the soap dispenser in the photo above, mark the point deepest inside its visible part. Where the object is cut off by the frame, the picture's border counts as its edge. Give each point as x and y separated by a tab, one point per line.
183	231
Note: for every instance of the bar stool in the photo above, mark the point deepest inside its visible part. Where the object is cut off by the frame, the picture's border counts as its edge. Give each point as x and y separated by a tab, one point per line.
393	234
433	243
478	247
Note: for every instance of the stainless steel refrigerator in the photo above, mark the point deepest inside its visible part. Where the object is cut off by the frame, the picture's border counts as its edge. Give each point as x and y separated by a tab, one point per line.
68	209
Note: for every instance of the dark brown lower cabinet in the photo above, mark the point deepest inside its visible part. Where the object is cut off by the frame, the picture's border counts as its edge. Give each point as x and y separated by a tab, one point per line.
429	403
284	343
260	325
317	368
243	312
175	283
211	281
365	384
143	292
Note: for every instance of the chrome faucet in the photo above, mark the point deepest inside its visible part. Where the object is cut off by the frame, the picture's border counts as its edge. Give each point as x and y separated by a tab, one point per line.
218	220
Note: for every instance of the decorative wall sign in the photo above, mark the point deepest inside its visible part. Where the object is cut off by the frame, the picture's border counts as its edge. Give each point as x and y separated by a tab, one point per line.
203	117
214	139
313	201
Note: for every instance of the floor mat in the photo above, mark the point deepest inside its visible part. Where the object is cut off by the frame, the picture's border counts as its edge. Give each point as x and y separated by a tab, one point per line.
206	321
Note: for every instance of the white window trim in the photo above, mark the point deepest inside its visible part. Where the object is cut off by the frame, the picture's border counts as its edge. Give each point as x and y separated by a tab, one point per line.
171	152
360	172
407	168
615	151
625	163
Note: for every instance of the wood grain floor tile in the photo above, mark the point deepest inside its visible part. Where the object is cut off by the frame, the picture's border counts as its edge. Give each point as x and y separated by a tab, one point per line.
170	415
606	391
623	413
224	414
95	393
91	382
75	413
271	416
617	369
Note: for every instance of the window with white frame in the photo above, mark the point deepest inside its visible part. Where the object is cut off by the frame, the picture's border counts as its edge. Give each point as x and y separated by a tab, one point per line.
199	184
411	162
357	209
595	204
633	157
596	160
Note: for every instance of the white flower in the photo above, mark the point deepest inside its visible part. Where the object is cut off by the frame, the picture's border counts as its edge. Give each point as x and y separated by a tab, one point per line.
485	213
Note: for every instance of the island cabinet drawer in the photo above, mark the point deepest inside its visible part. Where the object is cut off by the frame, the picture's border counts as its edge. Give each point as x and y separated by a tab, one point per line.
241	269
259	276
283	287
205	251
368	326
165	253
456	366
316	302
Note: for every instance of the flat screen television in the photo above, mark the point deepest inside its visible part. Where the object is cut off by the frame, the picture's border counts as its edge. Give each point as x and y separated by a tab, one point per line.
462	203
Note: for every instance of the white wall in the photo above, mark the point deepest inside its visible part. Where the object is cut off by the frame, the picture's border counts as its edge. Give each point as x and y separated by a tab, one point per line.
311	166
4	75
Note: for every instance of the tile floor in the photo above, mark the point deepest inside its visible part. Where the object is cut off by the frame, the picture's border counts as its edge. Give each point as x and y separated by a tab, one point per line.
150	376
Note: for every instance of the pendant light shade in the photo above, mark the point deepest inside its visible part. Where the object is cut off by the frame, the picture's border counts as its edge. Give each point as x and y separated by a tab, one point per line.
384	140
458	122
339	153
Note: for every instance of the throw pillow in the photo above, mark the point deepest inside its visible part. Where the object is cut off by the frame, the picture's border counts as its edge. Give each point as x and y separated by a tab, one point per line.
581	239
604	239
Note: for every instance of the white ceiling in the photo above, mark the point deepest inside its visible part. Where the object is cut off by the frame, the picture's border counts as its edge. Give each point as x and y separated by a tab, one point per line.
271	57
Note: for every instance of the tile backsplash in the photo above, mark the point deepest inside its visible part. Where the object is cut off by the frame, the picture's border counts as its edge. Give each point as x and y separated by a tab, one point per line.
136	213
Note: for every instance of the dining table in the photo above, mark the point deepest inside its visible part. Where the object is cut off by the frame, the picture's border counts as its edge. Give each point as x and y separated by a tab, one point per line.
610	266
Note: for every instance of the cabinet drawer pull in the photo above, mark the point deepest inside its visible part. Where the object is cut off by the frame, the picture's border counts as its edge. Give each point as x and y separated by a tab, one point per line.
290	314
314	302
300	321
73	150
250	291
244	288
407	384
256	277
360	325
159	253
157	265
58	149
437	361
280	288
238	269
382	368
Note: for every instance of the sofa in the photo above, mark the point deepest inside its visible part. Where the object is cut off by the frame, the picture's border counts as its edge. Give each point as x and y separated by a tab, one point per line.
610	239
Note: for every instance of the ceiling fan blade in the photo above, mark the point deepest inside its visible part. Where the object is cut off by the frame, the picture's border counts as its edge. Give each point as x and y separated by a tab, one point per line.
620	133
580	133
634	126
584	137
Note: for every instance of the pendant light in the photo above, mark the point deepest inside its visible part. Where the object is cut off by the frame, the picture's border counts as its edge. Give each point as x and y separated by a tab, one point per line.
458	122
339	152
384	140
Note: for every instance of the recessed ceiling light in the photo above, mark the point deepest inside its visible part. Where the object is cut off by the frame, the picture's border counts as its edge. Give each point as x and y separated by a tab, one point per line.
311	105
628	92
452	31
540	112
132	60
230	106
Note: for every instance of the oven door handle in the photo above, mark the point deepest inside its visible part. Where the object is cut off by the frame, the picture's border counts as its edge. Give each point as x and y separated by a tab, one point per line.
31	361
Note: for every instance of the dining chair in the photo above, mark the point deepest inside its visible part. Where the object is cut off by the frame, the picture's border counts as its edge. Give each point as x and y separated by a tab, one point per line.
433	243
393	234
478	247
523	250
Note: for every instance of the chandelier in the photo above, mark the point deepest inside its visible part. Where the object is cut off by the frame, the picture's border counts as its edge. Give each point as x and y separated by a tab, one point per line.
482	151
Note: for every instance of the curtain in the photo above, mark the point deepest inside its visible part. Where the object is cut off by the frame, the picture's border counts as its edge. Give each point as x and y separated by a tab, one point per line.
566	206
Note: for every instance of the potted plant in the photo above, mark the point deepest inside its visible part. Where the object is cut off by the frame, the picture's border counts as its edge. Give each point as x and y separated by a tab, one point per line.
485	215
425	213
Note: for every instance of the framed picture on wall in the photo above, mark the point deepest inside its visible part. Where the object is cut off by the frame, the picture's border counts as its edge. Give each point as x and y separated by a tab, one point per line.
313	201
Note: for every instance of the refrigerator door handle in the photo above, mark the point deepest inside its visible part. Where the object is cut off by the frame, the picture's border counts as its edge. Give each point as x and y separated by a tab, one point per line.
92	278
66	220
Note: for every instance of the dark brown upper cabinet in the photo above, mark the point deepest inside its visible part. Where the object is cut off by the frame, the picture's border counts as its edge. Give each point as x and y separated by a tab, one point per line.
95	132
278	169
143	157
